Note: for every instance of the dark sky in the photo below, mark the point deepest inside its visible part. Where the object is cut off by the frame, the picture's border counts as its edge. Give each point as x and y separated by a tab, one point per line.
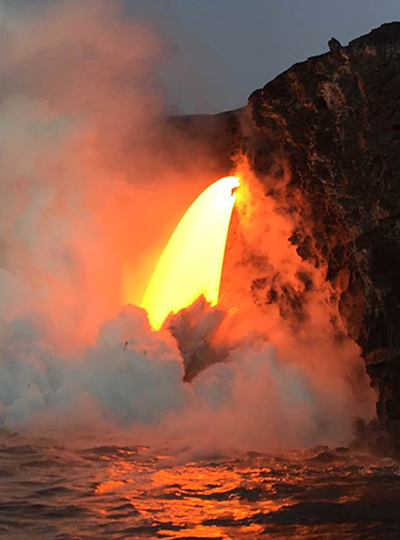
225	49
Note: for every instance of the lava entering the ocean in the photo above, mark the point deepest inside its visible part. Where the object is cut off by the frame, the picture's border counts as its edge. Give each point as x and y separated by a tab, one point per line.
191	263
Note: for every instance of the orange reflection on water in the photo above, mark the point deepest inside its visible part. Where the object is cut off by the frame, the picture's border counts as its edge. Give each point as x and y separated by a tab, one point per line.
111	485
194	500
125	492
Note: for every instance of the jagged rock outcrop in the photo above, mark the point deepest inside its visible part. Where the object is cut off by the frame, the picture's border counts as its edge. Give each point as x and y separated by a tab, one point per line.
328	131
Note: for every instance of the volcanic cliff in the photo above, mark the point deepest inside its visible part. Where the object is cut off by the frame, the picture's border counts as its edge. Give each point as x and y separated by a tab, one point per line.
328	131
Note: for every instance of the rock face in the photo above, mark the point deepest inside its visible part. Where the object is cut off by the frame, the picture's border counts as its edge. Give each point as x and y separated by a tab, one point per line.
334	123
328	132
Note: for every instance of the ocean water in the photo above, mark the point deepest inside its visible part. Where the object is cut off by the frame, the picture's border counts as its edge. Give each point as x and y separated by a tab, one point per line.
111	492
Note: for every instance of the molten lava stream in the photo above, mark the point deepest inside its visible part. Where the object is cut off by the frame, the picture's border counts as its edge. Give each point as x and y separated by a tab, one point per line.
191	263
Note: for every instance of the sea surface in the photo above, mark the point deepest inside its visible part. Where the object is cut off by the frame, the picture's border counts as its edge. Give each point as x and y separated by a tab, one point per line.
110	492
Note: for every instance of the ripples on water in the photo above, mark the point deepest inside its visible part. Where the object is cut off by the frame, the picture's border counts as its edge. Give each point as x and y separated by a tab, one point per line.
129	492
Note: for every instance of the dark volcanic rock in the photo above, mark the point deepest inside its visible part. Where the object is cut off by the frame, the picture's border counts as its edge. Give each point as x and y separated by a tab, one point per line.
333	122
328	132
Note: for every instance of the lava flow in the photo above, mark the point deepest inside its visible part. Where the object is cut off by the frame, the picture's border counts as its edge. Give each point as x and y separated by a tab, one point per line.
191	263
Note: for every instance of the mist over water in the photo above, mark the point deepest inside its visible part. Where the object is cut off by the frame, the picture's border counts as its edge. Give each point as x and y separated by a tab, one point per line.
92	186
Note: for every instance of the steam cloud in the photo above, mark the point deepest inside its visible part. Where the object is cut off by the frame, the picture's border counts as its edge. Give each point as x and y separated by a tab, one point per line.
90	187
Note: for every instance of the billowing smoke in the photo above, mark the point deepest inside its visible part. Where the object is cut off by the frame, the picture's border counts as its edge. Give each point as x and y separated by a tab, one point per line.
89	179
92	182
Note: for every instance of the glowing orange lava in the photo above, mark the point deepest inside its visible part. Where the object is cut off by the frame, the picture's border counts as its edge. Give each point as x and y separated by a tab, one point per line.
191	263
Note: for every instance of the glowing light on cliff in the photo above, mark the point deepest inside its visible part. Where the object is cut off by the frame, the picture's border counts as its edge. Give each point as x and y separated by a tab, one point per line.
191	264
